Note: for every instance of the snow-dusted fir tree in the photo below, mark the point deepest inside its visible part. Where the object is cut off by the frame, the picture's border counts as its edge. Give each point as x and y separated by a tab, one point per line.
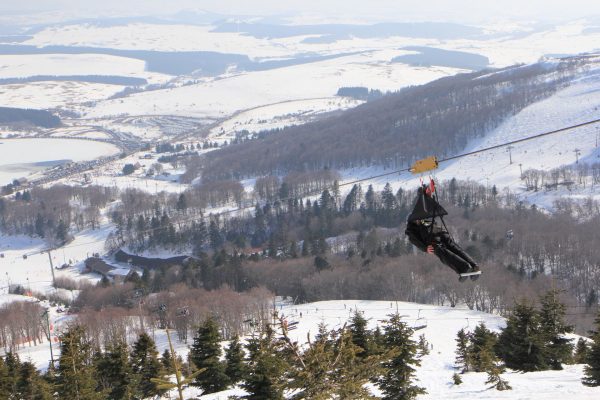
481	349
581	351
558	348
521	344
592	369
234	359
496	368
206	353
145	366
463	358
361	336
75	373
396	383
266	368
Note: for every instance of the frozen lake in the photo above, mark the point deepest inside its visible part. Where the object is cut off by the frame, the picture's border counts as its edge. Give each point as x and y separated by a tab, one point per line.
21	157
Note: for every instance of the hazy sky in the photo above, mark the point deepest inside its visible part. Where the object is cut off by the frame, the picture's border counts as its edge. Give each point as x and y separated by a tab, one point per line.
471	11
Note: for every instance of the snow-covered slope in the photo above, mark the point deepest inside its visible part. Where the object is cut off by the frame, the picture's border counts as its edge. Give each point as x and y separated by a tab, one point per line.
575	104
24	262
435	374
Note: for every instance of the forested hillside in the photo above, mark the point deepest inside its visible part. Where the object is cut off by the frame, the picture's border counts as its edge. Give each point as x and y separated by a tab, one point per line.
20	116
437	118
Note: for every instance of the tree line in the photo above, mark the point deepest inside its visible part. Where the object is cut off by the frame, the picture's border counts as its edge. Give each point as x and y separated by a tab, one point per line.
337	363
28	117
52	213
534	339
349	246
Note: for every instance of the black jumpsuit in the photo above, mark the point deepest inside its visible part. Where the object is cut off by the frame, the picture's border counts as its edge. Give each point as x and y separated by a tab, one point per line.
444	247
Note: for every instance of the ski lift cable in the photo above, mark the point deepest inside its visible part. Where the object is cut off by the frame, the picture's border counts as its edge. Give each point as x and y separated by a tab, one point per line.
353	182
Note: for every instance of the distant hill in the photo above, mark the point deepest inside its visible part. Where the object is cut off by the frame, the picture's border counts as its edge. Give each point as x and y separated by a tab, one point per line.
437	118
17	116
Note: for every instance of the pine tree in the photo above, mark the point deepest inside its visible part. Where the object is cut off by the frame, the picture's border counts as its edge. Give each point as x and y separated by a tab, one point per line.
62	232
370	201
592	369
521	344
13	365
396	382
181	203
378	342
206	353
456	379
266	368
388	199
214	234
144	366
351	201
4	380
166	361
200	235
361	336
463	358
558	349
423	345
235	367
481	349
75	372
581	351
114	371
494	377
30	385
330	367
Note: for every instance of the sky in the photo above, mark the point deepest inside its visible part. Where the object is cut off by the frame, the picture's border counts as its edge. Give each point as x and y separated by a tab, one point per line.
465	11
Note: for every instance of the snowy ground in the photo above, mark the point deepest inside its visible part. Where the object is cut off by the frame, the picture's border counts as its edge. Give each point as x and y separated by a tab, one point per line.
223	96
565	38
279	115
54	94
435	373
25	263
512	43
19	157
22	66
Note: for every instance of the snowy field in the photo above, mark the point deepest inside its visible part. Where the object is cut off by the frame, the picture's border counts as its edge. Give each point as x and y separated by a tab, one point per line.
221	97
159	37
22	66
19	157
33	271
280	115
435	373
510	43
55	94
566	38
66	94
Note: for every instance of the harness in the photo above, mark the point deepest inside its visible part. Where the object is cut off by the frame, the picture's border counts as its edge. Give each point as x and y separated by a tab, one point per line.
436	206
